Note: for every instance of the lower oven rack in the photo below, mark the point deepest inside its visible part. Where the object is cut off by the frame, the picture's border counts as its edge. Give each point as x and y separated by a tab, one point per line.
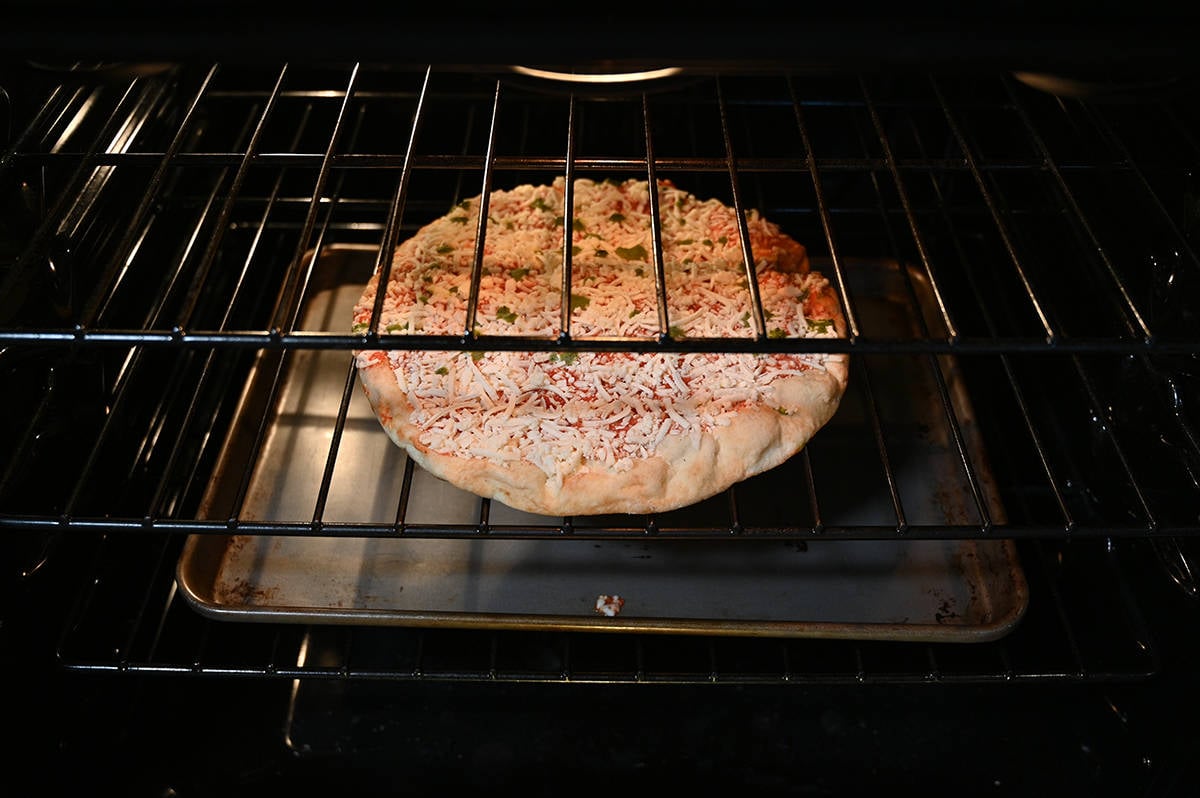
126	616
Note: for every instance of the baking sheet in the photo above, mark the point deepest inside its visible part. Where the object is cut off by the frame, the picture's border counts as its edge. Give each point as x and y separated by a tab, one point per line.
953	590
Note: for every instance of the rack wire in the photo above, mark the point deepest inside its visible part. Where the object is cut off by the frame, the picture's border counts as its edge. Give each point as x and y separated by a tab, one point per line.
168	230
1129	329
906	168
1083	627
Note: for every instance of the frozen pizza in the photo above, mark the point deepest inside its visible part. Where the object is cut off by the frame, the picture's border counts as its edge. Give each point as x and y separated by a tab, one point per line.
592	432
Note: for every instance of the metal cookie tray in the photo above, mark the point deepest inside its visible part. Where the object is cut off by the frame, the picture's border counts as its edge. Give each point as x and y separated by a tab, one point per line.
895	589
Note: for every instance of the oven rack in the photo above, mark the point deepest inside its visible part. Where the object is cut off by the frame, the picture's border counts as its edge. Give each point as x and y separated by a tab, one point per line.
166	220
892	160
117	609
140	484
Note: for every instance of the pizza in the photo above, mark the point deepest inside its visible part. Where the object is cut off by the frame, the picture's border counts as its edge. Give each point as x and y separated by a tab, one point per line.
577	432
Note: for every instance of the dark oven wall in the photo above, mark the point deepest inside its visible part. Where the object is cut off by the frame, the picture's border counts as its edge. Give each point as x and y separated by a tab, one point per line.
220	577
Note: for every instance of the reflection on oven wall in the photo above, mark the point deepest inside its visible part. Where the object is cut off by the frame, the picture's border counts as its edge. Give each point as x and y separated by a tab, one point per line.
1016	260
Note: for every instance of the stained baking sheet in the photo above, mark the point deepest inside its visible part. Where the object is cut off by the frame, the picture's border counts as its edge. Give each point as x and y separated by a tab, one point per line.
935	590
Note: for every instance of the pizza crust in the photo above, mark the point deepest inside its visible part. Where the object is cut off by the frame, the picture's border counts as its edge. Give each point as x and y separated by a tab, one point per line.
681	469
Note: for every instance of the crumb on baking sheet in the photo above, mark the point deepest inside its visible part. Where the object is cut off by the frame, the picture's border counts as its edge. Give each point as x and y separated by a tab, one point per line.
609	605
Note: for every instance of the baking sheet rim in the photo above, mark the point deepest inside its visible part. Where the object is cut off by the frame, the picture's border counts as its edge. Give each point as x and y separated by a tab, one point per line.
827	630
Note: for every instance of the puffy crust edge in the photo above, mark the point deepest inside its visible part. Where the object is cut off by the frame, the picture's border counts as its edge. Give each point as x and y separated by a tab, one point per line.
683	471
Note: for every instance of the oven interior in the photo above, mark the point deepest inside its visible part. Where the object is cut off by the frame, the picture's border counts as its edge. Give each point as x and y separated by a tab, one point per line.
166	227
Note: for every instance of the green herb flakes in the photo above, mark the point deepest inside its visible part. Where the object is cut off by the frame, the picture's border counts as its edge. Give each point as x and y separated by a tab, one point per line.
441	370
677	332
637	252
459	219
397	327
820	325
504	314
518	274
777	332
541	205
445	249
579	302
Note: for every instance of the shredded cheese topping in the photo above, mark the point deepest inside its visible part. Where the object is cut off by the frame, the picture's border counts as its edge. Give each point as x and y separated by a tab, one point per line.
570	412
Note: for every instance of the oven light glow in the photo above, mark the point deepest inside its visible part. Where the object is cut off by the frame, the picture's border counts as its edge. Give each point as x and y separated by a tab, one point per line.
598	77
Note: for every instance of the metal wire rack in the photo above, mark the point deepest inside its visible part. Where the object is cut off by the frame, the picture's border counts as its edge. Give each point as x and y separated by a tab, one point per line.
1034	284
167	231
1084	626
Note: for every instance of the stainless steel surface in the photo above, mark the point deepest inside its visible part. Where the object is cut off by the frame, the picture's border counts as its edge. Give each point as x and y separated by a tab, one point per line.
934	590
